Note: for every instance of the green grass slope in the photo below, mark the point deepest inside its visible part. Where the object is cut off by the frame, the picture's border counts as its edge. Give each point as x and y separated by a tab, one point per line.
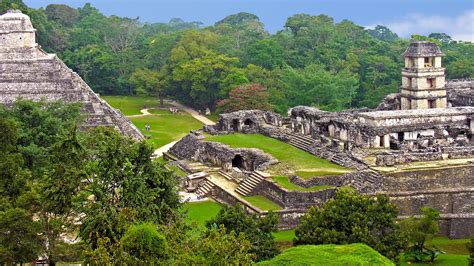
305	163
201	212
353	254
131	105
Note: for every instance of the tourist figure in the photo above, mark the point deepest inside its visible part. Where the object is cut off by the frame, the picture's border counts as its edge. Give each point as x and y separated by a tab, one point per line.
147	127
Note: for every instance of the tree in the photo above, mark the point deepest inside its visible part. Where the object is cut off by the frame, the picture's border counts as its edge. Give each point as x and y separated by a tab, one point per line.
258	231
246	97
123	185
314	86
208	78
383	33
20	239
441	37
148	82
63	14
350	217
142	243
266	53
420	230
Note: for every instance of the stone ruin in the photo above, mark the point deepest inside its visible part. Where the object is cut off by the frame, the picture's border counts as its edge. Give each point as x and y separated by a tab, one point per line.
27	72
429	122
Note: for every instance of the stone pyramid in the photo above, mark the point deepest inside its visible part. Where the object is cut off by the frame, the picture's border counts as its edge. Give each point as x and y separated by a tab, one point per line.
27	72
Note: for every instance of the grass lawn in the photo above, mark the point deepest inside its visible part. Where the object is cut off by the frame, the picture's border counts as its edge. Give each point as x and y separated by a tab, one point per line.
283	181
131	105
301	161
213	117
451	246
166	127
353	254
284	236
443	260
202	211
262	203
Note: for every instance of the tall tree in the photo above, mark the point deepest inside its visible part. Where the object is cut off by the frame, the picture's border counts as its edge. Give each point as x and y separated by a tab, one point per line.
350	217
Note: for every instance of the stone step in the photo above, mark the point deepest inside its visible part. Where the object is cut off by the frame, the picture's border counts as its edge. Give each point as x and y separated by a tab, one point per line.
228	176
204	188
249	184
303	143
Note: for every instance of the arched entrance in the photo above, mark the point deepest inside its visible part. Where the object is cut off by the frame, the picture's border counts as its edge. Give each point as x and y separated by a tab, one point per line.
249	122
238	161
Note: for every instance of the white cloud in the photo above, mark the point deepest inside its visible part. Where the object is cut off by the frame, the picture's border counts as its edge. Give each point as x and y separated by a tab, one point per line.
459	28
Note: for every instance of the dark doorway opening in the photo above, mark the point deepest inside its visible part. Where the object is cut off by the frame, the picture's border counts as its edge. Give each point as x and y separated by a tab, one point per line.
431	104
382	141
235	125
238	161
401	136
249	122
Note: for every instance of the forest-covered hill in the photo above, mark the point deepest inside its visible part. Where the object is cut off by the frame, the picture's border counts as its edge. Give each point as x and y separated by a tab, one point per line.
312	61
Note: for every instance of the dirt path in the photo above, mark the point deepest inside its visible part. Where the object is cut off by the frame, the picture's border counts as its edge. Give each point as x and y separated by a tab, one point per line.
159	152
144	112
194	113
206	121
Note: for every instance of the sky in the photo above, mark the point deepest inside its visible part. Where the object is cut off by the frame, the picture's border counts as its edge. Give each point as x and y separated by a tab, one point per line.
405	17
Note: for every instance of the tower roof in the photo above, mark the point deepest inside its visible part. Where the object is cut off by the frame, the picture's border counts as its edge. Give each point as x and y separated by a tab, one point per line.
14	20
423	49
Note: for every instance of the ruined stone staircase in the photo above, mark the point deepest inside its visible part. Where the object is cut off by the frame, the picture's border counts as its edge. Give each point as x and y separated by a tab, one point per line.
250	183
205	187
367	180
300	141
225	174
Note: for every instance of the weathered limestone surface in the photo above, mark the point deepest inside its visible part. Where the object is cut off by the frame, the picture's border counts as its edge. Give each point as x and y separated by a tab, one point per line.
27	72
194	147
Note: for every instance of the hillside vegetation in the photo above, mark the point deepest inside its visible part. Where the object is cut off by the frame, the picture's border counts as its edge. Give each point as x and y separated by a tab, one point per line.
353	254
312	60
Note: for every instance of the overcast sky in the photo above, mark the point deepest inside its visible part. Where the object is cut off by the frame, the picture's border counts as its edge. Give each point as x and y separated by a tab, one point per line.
405	17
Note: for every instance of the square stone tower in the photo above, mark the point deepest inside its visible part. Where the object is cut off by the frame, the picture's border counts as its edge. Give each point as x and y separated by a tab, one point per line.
423	79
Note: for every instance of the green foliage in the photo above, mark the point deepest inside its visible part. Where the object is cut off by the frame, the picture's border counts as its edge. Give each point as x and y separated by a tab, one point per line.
383	33
144	244
353	254
123	185
420	230
216	246
312	61
314	86
20	239
350	217
258	231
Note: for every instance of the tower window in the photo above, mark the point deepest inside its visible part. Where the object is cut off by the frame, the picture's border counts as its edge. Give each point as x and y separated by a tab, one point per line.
431	104
431	83
428	61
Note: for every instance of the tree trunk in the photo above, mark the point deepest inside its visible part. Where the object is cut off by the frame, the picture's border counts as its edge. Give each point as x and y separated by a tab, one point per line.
161	101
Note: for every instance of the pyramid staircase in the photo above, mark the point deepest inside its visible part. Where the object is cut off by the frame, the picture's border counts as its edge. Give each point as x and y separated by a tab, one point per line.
250	183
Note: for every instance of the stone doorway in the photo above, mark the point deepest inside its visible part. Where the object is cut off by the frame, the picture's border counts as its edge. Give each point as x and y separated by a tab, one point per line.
238	161
235	125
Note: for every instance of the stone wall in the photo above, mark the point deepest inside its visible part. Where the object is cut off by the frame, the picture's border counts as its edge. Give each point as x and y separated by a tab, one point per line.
194	147
293	199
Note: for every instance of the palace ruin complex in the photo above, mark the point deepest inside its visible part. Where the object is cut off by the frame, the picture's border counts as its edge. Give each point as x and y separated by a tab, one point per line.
417	147
27	72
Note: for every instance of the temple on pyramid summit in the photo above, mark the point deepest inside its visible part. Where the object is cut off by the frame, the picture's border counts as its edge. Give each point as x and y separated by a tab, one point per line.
27	72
